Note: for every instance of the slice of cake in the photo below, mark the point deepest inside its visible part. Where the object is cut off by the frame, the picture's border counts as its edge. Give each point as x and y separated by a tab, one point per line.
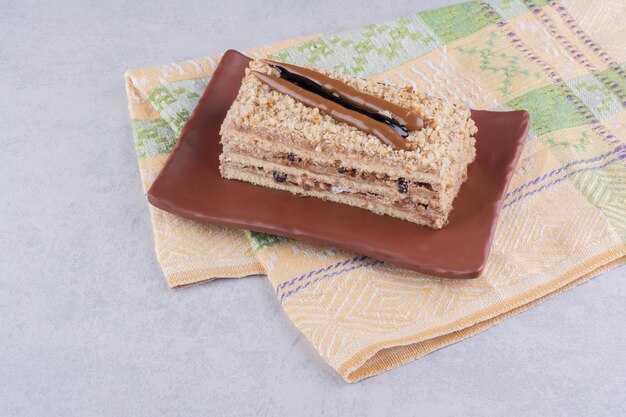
390	150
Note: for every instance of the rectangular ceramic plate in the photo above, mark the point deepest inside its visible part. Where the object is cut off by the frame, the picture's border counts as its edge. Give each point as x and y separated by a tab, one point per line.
190	185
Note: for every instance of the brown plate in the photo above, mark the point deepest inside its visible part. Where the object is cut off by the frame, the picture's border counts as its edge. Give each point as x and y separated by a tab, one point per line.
190	185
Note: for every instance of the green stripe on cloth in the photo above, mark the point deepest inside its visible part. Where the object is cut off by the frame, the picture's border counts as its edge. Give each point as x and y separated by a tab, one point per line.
549	109
260	241
458	21
368	50
536	3
175	101
152	137
508	9
596	96
614	80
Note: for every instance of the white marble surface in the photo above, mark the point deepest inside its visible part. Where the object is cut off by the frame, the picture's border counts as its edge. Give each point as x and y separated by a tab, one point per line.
87	324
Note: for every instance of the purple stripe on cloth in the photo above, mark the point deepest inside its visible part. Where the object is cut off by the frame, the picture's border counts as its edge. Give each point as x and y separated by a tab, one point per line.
553	30
577	55
569	20
619	149
578	171
331	275
328	268
517	42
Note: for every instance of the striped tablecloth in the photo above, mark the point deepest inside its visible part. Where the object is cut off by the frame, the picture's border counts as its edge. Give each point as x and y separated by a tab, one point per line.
564	217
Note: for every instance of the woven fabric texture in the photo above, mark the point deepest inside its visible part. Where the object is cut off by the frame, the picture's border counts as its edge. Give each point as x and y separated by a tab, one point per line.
563	219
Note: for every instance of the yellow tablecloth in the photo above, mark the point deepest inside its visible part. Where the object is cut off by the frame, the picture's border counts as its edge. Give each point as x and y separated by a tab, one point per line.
564	217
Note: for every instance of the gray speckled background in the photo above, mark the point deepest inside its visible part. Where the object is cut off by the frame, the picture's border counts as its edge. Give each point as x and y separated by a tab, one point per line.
87	324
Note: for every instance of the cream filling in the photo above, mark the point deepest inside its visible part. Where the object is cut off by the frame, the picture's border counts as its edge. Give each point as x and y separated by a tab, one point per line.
308	182
422	217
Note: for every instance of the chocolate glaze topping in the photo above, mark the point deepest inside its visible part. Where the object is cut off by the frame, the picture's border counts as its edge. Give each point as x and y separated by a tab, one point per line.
336	110
402	120
398	121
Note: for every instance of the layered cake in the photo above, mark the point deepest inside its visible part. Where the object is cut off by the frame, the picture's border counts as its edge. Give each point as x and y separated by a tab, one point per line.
391	150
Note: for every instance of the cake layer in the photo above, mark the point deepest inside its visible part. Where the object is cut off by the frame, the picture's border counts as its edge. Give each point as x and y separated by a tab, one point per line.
414	213
419	186
459	154
328	182
271	142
